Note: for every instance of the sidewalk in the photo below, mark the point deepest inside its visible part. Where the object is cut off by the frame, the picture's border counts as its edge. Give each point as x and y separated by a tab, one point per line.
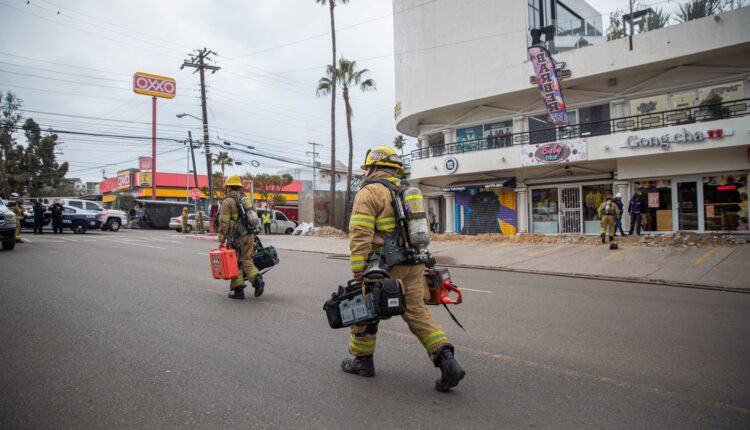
709	267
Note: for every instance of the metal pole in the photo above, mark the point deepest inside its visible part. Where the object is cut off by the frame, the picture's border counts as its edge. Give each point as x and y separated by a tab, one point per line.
192	154
153	151
205	130
630	18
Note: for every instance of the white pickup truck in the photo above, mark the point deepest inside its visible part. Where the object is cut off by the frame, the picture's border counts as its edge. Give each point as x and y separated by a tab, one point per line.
112	219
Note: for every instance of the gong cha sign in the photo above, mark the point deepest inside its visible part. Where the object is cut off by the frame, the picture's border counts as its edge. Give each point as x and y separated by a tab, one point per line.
154	85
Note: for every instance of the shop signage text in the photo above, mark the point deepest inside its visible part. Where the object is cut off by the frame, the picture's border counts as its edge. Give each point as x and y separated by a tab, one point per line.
665	141
554	152
123	180
549	84
154	85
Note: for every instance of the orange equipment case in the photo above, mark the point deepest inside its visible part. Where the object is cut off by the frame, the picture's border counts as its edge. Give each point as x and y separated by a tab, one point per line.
223	263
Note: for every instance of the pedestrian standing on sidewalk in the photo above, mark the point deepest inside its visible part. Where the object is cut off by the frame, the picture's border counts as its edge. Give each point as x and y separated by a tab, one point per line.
635	209
267	222
38	216
57	217
620	205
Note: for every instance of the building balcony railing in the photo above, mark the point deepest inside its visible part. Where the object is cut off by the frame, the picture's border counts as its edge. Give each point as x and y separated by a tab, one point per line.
703	113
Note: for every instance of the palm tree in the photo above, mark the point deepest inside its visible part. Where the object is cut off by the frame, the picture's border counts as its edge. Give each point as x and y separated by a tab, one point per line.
399	142
348	77
695	9
331	7
222	159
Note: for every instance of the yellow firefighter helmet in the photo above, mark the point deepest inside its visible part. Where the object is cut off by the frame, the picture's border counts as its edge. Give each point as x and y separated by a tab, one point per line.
383	156
233	181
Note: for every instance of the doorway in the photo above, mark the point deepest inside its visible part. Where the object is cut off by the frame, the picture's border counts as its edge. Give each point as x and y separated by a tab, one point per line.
687	205
570	209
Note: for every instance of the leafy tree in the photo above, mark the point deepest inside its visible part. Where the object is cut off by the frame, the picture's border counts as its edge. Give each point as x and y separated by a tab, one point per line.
218	179
10	117
331	7
399	142
126	202
658	18
222	159
346	76
269	187
615	29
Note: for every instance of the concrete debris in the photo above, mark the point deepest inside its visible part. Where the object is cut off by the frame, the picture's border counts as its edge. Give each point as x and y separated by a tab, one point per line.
328	232
304	229
678	239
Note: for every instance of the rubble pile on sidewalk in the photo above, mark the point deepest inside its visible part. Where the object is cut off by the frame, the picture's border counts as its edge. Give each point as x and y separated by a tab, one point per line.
328	232
678	239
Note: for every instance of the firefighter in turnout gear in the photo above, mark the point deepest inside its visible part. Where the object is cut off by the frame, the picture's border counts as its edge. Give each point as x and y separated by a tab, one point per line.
17	209
609	213
199	222
237	230
373	220
184	220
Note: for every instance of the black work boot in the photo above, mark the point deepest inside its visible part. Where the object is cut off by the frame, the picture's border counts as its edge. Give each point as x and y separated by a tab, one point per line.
362	366
237	293
603	239
452	372
258	284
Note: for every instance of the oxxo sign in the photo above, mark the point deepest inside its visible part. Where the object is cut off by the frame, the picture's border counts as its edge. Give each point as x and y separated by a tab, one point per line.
665	141
154	85
123	180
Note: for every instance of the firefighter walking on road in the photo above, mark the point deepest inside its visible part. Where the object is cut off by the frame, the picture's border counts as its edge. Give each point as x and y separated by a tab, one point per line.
608	213
373	220
238	224
184	220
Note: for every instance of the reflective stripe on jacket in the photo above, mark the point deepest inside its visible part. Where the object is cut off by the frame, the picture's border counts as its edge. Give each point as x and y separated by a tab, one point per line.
372	220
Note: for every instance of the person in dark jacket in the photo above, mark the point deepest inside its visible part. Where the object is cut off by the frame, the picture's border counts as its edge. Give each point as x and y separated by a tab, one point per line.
38	216
618	202
57	217
635	209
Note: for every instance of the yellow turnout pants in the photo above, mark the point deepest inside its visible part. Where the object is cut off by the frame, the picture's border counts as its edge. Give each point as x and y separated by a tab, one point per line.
608	224
245	254
419	319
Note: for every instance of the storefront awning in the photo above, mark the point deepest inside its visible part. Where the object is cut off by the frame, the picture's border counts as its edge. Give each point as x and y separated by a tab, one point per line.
498	183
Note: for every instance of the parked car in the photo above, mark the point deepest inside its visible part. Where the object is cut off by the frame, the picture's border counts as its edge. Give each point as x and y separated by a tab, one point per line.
175	223
77	220
112	219
7	227
280	223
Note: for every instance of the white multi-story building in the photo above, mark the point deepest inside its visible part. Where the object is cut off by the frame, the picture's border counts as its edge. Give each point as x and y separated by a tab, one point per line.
667	119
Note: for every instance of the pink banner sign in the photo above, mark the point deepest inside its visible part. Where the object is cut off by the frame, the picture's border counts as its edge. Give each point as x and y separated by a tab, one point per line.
549	85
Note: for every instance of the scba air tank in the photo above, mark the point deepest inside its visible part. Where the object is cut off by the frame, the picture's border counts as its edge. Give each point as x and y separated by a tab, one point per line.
419	229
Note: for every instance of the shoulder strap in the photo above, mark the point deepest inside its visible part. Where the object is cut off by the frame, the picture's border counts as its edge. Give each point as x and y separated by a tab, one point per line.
388	184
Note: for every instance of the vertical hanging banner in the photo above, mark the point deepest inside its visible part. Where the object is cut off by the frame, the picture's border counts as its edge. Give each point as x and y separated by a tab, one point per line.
549	85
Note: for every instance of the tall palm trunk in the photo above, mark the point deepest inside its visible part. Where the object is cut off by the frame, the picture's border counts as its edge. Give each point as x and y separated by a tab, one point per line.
351	147
332	5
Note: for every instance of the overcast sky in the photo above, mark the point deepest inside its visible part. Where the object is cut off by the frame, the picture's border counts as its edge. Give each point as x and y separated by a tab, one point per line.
77	58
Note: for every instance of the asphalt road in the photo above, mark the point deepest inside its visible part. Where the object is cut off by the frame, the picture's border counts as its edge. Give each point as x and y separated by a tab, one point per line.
129	330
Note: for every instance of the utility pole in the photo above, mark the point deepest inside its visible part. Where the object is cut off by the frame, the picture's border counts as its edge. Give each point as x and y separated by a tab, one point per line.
314	154
192	154
198	61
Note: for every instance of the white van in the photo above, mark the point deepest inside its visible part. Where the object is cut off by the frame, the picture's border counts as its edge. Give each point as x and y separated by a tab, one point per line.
279	223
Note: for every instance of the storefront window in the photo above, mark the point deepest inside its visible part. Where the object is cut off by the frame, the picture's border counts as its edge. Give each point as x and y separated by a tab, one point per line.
485	210
647	106
657	207
725	202
544	215
593	196
499	134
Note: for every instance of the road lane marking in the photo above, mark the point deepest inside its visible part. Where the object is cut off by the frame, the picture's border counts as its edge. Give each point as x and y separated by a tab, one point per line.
616	254
201	253
478	291
133	244
698	261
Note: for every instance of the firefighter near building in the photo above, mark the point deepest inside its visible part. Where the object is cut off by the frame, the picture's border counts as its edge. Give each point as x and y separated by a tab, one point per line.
389	235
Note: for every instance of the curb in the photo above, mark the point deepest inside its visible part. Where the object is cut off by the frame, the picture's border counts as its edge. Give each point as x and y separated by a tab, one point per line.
644	281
